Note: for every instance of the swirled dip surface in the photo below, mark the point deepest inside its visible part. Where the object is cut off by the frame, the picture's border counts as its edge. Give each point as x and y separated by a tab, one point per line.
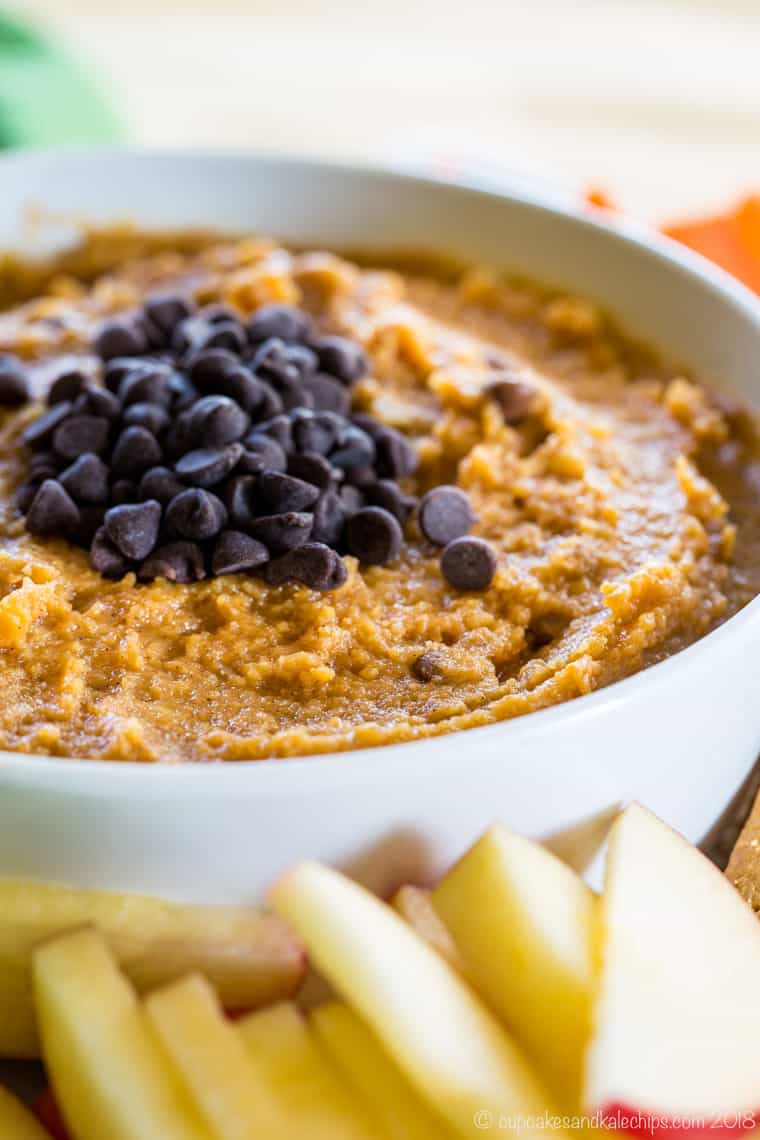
623	510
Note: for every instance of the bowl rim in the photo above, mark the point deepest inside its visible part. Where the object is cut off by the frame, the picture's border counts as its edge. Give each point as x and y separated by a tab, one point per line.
216	775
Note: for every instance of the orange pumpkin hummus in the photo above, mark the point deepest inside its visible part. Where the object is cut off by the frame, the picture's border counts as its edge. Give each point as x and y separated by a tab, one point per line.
624	512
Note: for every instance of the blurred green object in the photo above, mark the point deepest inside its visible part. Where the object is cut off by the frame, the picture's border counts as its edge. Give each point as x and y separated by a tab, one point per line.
45	97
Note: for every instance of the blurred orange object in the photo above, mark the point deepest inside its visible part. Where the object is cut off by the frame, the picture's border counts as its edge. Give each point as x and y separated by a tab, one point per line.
731	240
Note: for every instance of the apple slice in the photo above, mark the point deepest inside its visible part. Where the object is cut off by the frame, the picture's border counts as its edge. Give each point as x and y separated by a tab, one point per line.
452	1050
524	924
110	1076
16	1123
377	1080
207	1052
312	1097
415	905
579	844
677	1015
251	958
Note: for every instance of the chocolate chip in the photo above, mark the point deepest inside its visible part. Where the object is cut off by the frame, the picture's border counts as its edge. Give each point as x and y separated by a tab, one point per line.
24	494
166	310
105	558
355	449
469	563
133	527
124	491
283	532
209	365
240	500
284	321
271	360
207	466
39	432
121	337
327	395
361	476
52	511
314	432
198	332
385	493
152	417
396	456
427	666
78	434
342	358
312	468
175	561
195	514
122	366
159	483
374	536
90	521
153	387
353	499
235	552
278	428
262	453
329	519
292	393
281	493
97	402
216	420
135	450
445	514
516	398
86	480
242	386
312	564
67	385
270	403
14	383
44	464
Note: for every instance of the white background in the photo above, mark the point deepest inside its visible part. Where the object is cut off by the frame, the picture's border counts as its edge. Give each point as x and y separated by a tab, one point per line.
659	100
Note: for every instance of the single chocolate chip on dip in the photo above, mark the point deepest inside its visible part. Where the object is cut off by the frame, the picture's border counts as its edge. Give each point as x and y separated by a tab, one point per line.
445	514
469	563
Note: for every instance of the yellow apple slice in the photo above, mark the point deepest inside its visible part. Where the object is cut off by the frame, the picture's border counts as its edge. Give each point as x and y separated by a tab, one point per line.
415	905
524	924
251	958
110	1075
213	1063
16	1123
313	1099
452	1050
580	843
367	1067
677	1016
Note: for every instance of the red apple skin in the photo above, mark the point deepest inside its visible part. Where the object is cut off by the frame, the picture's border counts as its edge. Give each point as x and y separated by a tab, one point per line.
650	1126
49	1115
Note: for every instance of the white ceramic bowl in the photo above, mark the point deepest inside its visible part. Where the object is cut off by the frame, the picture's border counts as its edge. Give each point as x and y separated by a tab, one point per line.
680	736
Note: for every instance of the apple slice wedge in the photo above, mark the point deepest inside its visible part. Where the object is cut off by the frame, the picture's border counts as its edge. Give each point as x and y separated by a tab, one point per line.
676	1046
415	905
313	1098
376	1078
524	925
110	1075
213	1063
452	1050
16	1122
251	958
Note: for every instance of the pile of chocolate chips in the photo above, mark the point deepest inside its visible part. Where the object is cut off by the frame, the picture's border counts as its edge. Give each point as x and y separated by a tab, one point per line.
214	446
